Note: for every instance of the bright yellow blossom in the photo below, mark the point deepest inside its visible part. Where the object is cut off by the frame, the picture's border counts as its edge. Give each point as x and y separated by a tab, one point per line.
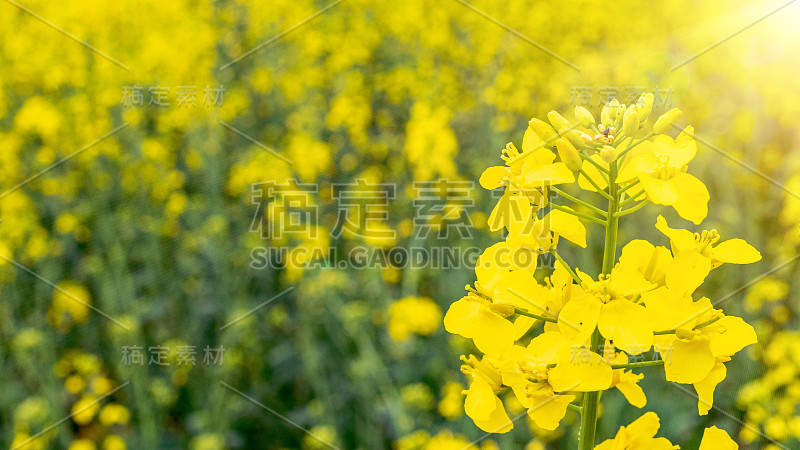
734	251
639	435
661	169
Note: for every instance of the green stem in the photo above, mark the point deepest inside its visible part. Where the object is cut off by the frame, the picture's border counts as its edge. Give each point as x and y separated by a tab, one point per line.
595	185
634	183
523	312
578	201
566	266
662	332
708	322
625	152
657	362
632	210
603	170
577	214
633	199
697	327
591	400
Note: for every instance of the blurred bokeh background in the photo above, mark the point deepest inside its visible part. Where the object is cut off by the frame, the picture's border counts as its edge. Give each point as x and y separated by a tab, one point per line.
136	211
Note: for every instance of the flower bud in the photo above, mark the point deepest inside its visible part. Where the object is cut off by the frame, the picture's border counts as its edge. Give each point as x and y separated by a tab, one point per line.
568	154
645	105
543	130
585	118
630	124
620	115
558	120
574	136
667	120
608	154
609	113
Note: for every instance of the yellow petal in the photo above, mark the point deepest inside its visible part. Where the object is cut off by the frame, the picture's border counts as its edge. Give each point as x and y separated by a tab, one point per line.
687	272
498	421
651	261
581	370
735	251
705	388
738	334
551	174
660	192
629	386
645	427
679	154
667	308
642	164
636	253
519	213
512	212
593	173
578	318
688	362
682	240
627	281
491	333
567	226
692	199
460	315
522	325
547	412
628	325
481	401
492	177
531	141
544	348
490	267
716	439
497	216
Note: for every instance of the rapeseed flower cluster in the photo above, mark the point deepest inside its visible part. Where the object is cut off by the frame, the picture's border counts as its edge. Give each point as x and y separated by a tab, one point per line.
594	325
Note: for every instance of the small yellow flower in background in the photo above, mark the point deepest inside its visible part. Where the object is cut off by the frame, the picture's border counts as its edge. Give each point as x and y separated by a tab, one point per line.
75	384
31	410
82	444
84	410
113	442
70	306
770	289
114	413
417	395
413	441
413	315
22	441
451	406
445	440
321	437
208	441
101	385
